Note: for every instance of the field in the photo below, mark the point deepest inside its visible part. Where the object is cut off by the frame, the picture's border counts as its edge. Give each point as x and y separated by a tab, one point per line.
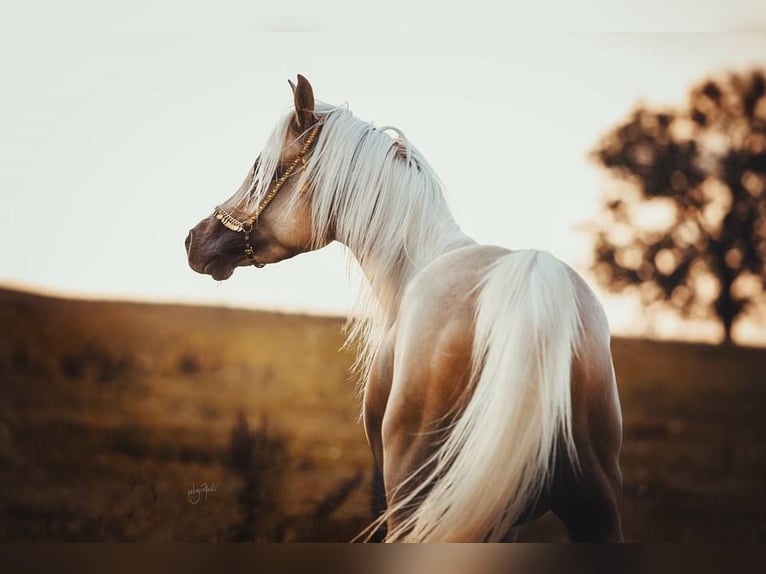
137	422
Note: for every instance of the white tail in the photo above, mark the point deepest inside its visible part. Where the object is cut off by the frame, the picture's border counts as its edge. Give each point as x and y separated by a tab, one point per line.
500	453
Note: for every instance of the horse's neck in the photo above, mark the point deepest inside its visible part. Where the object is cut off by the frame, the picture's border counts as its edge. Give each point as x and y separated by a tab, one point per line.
388	282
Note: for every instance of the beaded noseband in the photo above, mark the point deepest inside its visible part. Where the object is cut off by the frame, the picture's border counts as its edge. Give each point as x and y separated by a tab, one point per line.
246	226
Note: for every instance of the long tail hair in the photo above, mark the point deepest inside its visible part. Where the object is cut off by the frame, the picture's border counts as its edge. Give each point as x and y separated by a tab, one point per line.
500	453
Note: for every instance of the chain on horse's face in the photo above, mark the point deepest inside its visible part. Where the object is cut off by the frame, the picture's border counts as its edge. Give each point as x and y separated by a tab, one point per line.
246	226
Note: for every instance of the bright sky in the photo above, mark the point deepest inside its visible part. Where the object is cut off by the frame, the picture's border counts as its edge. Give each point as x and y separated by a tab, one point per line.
121	127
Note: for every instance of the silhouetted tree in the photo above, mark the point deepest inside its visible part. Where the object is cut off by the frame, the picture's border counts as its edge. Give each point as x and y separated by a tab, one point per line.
687	228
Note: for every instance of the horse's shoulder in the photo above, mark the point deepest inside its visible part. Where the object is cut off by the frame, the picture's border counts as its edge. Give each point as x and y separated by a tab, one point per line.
434	334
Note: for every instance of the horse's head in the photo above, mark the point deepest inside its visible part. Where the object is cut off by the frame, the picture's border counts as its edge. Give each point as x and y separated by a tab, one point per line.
269	218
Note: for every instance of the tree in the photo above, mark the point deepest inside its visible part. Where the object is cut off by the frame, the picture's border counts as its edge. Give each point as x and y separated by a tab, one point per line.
686	226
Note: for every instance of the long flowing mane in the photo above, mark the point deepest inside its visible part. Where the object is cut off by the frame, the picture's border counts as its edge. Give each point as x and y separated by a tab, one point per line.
377	195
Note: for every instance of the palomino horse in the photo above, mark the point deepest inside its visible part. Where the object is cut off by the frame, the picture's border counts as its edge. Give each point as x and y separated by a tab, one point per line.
489	391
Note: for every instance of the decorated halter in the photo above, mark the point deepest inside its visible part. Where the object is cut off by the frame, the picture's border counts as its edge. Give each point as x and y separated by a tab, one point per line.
246	226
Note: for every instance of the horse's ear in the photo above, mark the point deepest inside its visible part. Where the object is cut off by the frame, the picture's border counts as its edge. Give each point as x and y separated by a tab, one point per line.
292	86
303	95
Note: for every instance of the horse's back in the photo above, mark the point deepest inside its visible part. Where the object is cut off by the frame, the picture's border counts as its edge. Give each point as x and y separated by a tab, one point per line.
434	336
436	327
423	376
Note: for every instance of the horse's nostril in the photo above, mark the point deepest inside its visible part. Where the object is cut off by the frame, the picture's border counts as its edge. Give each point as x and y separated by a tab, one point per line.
188	241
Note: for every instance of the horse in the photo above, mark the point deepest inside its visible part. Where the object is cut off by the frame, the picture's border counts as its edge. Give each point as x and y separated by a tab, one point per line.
488	390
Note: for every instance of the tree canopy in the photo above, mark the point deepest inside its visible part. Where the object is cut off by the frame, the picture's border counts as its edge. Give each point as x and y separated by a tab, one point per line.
686	225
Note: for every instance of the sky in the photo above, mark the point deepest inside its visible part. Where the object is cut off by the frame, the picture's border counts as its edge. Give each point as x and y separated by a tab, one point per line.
123	125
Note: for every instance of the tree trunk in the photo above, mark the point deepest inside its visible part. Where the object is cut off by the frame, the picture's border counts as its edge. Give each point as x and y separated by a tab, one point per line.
727	308
727	340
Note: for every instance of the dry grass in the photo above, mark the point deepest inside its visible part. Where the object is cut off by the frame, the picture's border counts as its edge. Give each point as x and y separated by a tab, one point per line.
111	411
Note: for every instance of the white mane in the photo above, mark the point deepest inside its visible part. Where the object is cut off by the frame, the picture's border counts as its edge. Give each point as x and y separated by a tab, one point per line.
379	197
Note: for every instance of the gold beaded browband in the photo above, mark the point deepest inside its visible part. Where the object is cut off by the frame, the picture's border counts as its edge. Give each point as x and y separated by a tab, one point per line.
246	227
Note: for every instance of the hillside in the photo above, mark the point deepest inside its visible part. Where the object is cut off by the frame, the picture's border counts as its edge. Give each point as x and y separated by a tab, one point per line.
114	414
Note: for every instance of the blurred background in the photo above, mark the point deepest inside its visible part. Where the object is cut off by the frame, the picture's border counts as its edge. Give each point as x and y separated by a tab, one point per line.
143	402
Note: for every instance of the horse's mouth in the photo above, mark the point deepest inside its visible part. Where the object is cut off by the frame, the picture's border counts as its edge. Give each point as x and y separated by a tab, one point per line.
218	272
